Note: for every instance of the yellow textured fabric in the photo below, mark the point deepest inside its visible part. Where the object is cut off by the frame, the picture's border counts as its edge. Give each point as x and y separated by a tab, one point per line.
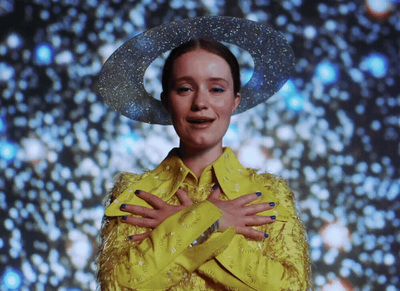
166	261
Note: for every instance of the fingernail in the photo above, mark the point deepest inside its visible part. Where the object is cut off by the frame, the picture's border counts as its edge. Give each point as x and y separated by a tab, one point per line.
123	206
131	237
137	192
258	194
273	217
215	187
271	204
180	187
124	217
266	235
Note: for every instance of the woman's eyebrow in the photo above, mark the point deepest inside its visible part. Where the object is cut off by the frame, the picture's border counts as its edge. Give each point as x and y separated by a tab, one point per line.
217	79
189	78
184	78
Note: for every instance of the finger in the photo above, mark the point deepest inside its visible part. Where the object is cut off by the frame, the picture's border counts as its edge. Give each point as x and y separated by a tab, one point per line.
153	200
246	199
140	221
257	208
215	193
183	197
258	220
140	236
139	210
251	233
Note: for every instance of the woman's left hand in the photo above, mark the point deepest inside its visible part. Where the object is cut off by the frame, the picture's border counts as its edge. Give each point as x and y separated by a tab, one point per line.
151	218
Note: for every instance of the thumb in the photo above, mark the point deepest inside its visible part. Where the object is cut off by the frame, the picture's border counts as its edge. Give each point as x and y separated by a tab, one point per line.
183	197
215	193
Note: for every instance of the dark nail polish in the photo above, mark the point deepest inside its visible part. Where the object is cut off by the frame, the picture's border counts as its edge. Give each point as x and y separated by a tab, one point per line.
137	192
131	237
215	187
273	217
180	187
123	206
124	217
258	194
271	204
266	235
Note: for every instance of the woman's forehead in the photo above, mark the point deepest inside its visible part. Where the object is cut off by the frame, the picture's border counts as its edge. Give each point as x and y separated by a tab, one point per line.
201	53
200	61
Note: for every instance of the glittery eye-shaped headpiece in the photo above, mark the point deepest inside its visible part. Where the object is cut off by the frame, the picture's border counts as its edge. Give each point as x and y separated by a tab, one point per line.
121	81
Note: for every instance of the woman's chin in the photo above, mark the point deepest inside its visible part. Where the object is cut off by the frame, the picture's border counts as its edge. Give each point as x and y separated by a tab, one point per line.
201	144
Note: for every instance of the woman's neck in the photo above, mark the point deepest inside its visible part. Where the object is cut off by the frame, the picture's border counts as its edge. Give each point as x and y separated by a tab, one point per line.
198	159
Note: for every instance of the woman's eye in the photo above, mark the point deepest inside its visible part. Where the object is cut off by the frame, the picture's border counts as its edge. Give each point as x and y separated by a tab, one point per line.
218	90
183	89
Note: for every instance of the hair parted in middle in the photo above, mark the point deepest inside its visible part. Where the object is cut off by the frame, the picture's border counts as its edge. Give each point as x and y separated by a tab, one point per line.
211	46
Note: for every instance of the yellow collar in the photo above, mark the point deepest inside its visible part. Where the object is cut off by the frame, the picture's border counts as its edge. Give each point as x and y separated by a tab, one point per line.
232	177
164	181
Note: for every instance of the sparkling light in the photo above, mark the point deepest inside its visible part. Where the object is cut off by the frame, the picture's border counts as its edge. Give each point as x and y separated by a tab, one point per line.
44	54
232	133
288	89
33	149
337	285
8	150
64	58
327	72
6	72
14	41
129	141
379	8
335	235
12	279
295	102
310	32
79	248
3	124
339	156
377	64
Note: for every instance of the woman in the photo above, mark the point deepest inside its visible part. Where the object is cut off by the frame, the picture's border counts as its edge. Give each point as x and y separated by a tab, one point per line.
200	220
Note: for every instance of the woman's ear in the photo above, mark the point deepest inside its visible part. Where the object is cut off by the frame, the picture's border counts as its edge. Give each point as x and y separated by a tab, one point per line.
236	101
164	101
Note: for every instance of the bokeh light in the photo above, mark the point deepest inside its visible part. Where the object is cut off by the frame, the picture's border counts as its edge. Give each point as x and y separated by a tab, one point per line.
379	8
11	280
44	54
335	235
327	72
295	102
8	150
3	124
376	64
332	131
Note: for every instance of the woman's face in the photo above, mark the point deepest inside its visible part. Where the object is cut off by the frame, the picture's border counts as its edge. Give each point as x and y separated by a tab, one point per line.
201	99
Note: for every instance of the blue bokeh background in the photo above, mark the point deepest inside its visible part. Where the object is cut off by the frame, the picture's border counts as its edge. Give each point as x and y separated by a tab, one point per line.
332	131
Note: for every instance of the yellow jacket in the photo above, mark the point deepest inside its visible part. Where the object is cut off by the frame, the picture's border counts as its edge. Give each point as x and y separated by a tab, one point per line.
166	259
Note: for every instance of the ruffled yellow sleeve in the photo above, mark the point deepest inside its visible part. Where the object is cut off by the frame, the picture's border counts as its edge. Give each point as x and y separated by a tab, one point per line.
280	262
288	241
165	257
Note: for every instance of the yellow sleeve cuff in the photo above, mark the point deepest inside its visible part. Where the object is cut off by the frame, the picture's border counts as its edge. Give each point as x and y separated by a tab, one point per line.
162	259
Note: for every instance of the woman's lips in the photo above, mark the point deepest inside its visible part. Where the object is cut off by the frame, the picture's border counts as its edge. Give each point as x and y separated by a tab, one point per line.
200	122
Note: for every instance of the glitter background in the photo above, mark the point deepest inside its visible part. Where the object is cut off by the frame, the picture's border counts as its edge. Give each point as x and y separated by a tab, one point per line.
332	131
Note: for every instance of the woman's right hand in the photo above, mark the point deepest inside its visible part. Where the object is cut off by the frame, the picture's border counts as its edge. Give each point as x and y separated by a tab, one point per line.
152	217
240	215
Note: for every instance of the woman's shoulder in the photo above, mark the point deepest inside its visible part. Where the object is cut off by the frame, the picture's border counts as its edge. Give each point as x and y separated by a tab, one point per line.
123	180
127	177
268	180
276	184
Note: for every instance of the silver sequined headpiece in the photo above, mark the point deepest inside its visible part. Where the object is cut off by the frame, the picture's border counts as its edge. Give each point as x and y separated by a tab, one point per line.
121	81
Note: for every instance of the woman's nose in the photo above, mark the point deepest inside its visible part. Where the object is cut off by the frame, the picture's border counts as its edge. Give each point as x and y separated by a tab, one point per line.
200	101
